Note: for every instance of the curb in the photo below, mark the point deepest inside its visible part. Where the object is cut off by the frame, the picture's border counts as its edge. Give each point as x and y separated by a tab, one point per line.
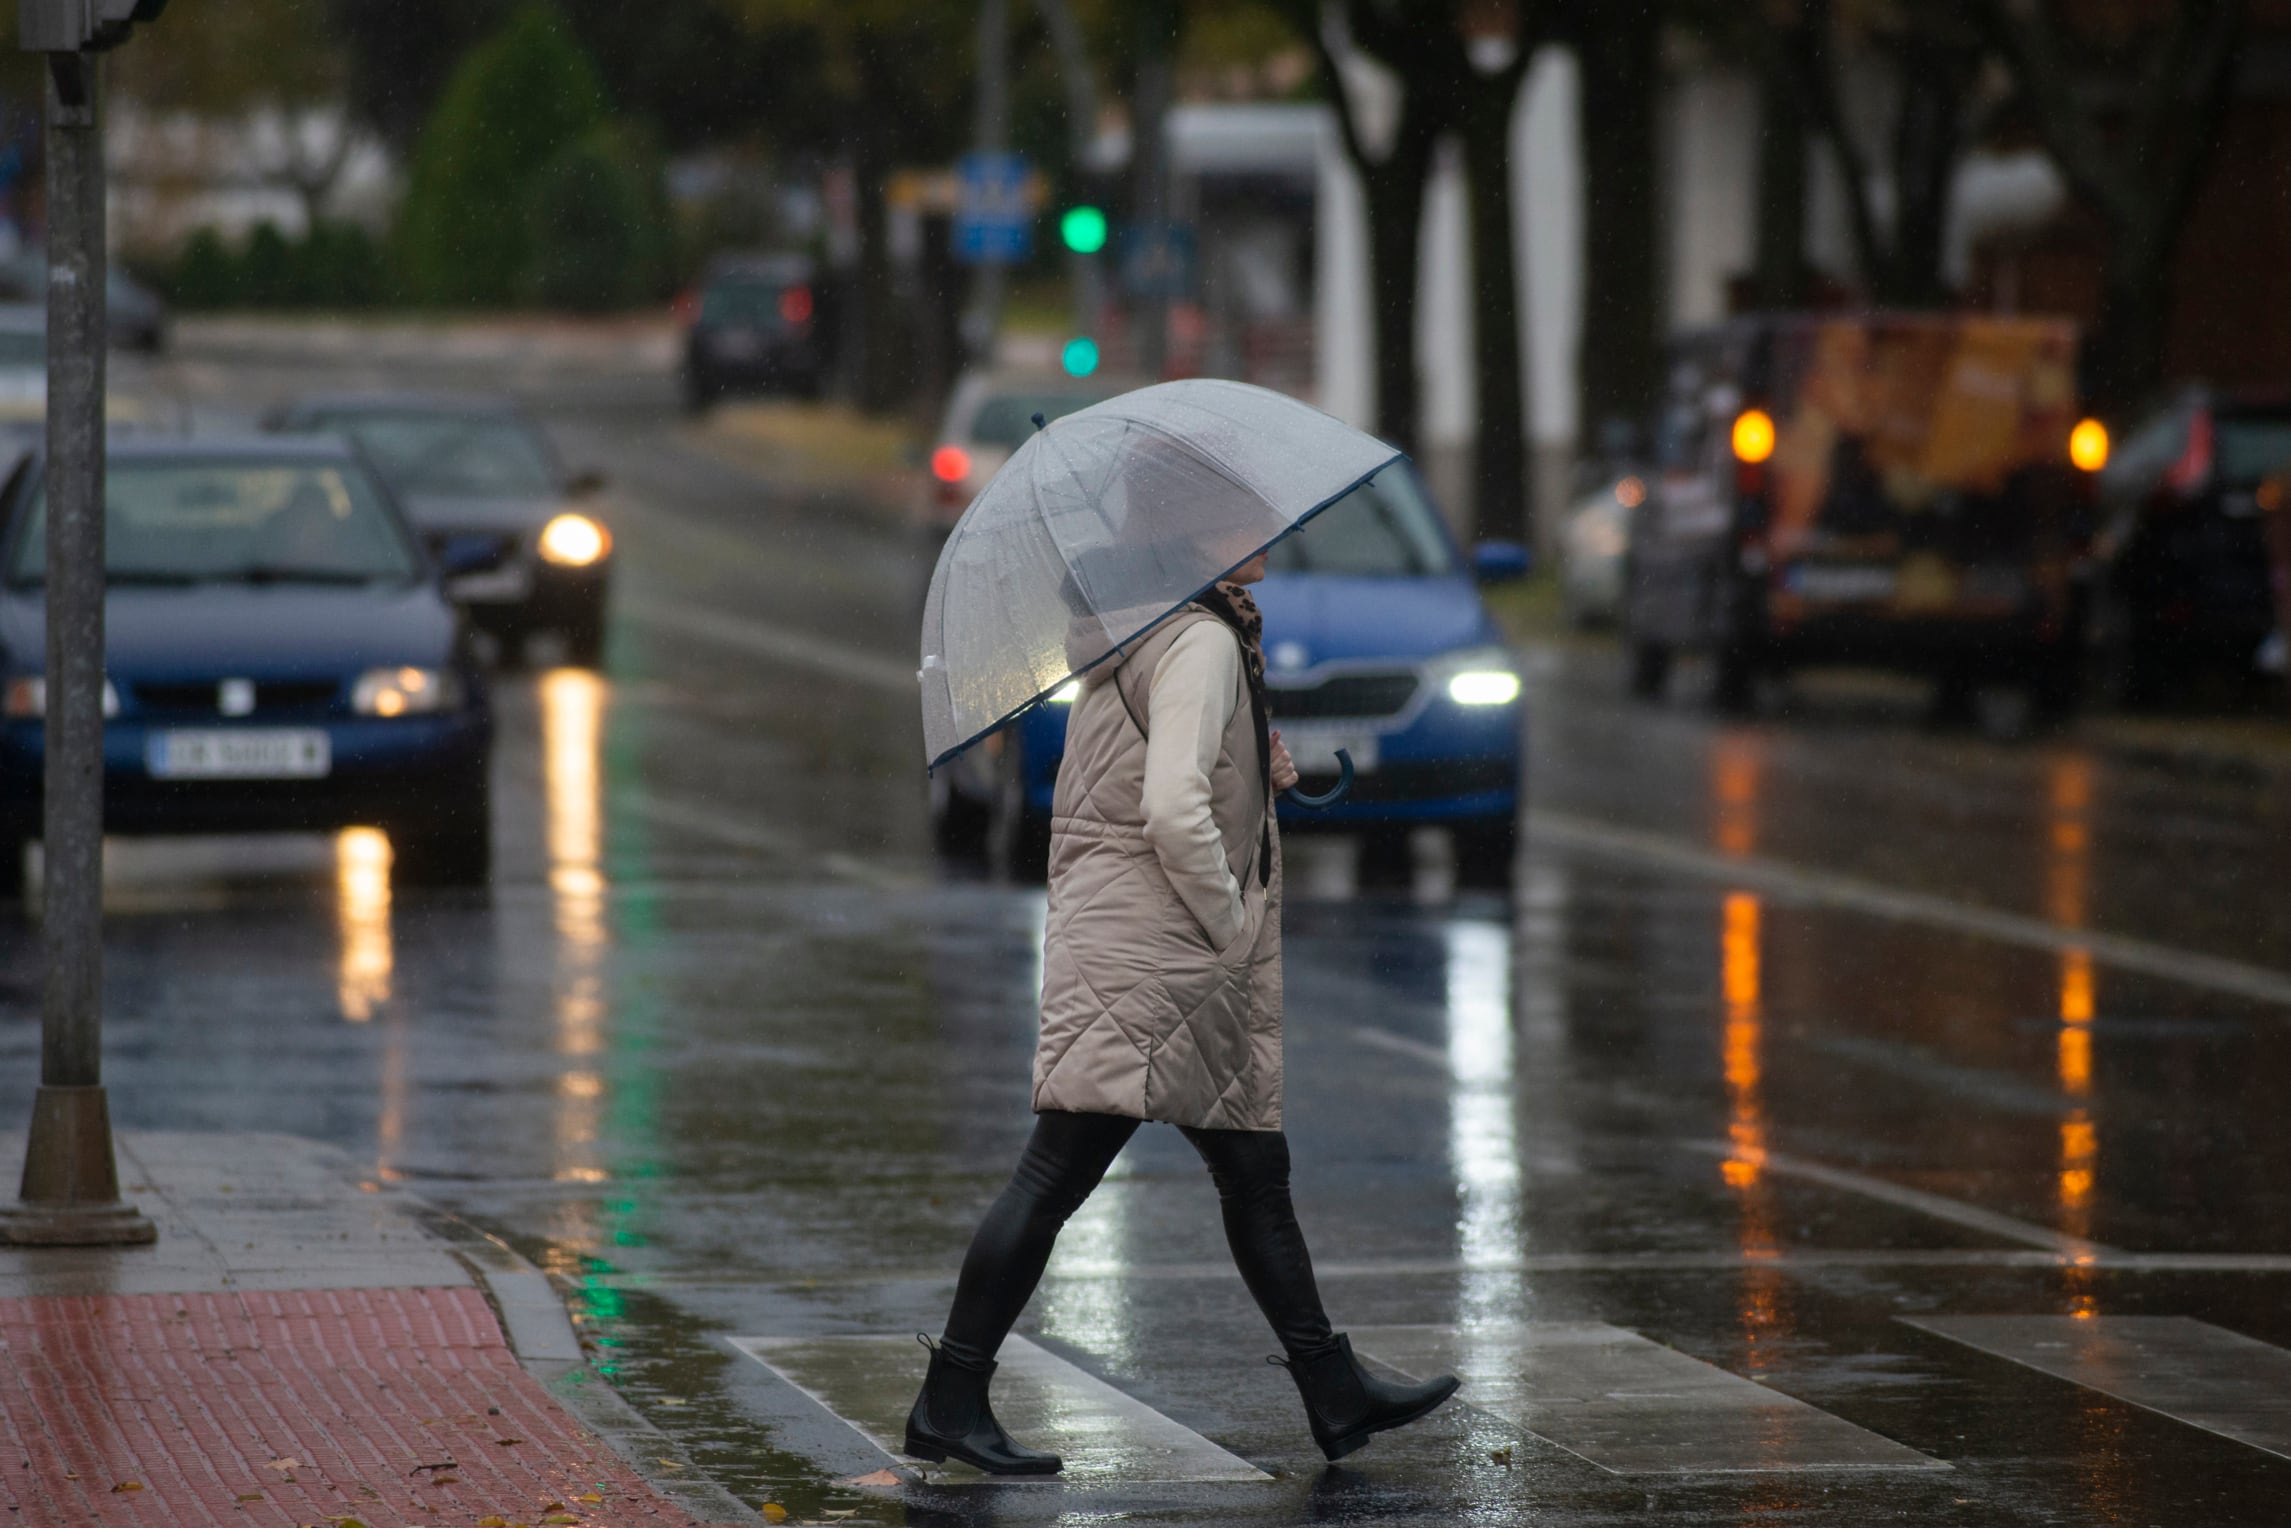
541	1335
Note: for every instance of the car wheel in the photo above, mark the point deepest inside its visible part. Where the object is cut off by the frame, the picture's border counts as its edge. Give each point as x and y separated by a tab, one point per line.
585	638
1028	853
12	868
1387	860
1487	852
1734	684
962	827
453	849
1650	669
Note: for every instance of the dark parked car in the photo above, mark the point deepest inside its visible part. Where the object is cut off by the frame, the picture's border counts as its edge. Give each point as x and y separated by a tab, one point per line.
280	658
760	324
2184	551
1903	491
481	483
134	314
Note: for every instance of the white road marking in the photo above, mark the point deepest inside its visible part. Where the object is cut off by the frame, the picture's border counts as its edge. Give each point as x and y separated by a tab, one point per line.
780	644
1632	1406
1660	851
2075	1249
1105	1436
2190	1371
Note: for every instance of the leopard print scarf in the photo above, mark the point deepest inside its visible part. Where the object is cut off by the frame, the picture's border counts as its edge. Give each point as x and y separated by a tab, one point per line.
1231	604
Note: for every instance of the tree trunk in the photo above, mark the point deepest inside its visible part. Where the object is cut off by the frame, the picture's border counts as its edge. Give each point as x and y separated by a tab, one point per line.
884	375
1149	168
1394	193
2123	360
1500	465
1621	360
1779	272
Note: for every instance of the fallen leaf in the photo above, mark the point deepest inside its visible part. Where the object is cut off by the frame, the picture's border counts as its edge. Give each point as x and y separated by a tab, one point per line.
552	1506
591	1497
283	1465
346	1522
68	1475
250	1496
846	1512
127	1485
674	1464
507	1442
878	1478
670	1400
495	1521
561	1520
773	1512
1501	1456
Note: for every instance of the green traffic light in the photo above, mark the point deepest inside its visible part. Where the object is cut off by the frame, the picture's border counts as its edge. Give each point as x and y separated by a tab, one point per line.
1080	357
1083	229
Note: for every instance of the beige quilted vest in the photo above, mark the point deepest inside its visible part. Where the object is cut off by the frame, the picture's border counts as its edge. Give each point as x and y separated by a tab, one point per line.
1140	1016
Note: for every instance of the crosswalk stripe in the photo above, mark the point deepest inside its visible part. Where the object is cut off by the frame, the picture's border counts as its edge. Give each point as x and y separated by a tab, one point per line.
1632	1406
2188	1370
1105	1436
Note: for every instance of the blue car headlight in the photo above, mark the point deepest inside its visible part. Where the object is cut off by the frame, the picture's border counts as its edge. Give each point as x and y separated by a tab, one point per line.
1478	676
405	692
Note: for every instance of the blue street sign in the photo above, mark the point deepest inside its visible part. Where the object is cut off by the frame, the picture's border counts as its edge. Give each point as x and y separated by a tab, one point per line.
994	212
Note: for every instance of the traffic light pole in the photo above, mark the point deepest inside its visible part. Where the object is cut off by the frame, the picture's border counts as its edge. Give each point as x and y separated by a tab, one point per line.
70	1193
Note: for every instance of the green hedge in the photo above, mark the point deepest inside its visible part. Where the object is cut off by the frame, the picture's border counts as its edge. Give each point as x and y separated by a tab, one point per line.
334	265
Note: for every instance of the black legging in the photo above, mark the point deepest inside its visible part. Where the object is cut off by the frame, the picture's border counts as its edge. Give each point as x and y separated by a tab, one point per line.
1063	1161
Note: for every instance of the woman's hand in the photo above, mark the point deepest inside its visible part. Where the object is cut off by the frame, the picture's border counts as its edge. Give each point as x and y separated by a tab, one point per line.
1284	767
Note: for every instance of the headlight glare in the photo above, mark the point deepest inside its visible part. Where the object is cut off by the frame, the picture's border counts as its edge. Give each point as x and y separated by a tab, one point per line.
1484	687
574	541
404	692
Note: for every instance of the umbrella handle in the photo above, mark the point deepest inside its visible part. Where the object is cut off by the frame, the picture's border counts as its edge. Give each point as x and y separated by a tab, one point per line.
1331	797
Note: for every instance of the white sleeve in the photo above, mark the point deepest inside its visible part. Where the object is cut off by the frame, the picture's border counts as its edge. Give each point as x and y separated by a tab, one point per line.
1195	693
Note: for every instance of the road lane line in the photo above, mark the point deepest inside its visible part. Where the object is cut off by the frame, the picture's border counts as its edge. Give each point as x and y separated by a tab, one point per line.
1632	1406
780	644
1105	1436
2205	1376
1588	835
2075	1249
709	823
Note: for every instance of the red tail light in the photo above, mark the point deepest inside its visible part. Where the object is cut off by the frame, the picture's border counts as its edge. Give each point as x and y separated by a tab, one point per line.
795	305
950	464
2187	476
686	307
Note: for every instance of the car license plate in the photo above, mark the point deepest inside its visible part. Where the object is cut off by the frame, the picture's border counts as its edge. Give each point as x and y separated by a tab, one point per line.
1842	581
502	586
240	754
1314	749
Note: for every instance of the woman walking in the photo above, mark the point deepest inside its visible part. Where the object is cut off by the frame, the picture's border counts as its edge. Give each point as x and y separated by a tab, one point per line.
1161	1001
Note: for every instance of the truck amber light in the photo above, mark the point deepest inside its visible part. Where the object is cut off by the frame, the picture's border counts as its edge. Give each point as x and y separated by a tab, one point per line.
1753	436
950	464
2088	445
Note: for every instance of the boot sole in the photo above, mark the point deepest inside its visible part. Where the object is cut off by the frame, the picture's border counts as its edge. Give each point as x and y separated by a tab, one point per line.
1353	1442
937	1452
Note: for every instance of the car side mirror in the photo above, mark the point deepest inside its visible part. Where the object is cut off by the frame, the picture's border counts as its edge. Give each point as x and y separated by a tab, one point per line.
1500	562
586	483
460	556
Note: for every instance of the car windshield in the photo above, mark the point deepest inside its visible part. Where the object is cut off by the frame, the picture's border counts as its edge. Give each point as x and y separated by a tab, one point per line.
21	348
486	457
744	301
2253	448
250	521
1006	419
1384	528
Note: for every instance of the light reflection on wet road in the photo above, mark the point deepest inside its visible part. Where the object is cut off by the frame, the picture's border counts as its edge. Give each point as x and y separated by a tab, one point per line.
725	1054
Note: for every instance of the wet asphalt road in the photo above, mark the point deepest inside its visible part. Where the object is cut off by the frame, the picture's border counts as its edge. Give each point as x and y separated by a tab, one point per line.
1796	1032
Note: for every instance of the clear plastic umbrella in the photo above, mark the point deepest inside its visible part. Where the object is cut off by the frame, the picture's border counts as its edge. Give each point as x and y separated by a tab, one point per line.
1106	521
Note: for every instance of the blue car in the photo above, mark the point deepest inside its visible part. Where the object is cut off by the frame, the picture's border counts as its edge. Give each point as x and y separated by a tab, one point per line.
280	657
1375	642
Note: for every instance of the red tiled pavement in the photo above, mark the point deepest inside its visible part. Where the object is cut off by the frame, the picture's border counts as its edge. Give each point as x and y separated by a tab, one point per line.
197	1397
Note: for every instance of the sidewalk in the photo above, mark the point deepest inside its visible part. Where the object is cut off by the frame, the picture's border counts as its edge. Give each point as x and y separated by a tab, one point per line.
301	1348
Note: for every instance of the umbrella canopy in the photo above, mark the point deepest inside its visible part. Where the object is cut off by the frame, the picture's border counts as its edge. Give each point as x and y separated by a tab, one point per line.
1103	524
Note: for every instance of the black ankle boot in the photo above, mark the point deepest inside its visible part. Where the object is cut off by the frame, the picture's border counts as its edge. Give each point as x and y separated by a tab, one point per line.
952	1417
1346	1404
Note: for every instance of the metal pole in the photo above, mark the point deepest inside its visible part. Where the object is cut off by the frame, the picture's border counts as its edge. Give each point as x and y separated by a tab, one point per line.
1082	134
990	135
70	1194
